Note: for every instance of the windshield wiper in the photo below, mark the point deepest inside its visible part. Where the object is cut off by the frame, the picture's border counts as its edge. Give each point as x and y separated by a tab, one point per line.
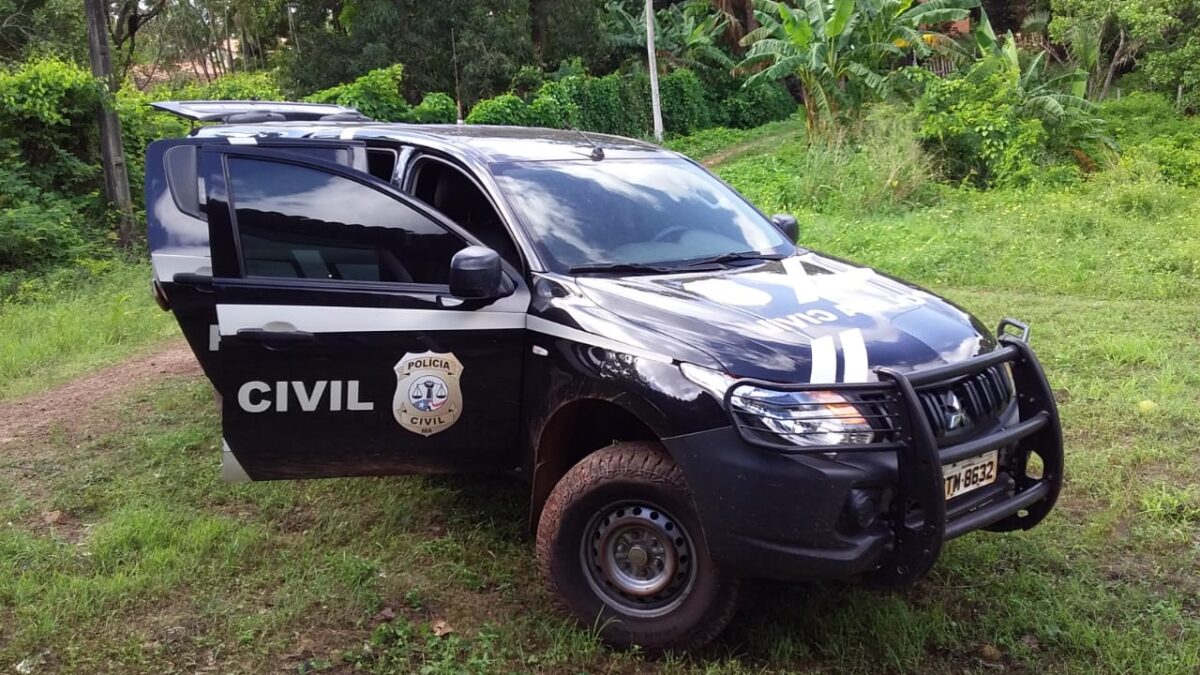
730	257
711	262
633	268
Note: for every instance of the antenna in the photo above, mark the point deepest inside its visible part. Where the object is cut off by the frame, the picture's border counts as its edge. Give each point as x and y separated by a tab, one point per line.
597	153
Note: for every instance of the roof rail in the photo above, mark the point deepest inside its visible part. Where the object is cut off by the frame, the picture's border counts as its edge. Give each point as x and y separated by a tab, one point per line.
221	111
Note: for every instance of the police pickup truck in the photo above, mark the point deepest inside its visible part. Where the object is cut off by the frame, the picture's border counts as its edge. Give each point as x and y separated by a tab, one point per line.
692	398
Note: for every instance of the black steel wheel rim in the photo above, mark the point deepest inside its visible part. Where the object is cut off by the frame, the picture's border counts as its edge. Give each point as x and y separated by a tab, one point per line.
638	559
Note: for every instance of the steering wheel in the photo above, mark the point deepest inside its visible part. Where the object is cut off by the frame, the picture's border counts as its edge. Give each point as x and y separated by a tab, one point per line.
662	236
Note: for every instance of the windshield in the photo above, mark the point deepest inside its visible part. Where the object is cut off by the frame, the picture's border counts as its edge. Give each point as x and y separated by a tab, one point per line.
633	212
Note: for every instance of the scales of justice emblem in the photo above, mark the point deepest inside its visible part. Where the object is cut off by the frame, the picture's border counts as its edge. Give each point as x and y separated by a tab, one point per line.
428	394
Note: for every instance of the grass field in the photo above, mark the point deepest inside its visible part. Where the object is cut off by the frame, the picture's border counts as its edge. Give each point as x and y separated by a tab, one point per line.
67	328
151	566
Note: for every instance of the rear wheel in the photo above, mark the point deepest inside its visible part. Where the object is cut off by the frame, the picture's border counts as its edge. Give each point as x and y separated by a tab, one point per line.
620	543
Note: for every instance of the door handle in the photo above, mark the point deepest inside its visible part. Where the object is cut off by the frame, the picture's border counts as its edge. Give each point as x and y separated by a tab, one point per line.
201	282
274	337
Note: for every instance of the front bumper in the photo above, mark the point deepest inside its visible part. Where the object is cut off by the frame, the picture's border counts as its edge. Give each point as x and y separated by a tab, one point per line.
796	513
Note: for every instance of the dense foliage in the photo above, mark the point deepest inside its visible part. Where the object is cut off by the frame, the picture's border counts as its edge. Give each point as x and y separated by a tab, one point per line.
840	51
615	104
1087	88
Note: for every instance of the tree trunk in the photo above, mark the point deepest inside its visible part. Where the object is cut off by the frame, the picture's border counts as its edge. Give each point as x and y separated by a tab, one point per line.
538	19
229	41
1117	59
740	14
112	153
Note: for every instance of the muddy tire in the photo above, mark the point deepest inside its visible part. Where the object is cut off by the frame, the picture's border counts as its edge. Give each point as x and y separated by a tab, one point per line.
619	542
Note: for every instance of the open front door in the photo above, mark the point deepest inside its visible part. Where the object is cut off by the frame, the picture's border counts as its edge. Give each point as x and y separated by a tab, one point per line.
341	350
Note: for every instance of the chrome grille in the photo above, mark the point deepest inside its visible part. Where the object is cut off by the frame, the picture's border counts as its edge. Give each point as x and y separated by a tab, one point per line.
957	408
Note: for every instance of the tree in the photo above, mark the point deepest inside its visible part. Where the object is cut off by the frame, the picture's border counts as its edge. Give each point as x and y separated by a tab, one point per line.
562	30
687	35
492	40
739	20
112	152
42	26
125	21
1160	36
842	51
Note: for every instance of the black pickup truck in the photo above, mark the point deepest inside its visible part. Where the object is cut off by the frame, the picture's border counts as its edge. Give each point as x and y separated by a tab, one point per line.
691	397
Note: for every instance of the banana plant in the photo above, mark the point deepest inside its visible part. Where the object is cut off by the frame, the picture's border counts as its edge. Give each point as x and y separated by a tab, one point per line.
685	36
843	51
1058	100
1049	97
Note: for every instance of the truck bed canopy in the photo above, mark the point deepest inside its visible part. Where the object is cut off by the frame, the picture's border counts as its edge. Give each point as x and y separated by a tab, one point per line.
282	111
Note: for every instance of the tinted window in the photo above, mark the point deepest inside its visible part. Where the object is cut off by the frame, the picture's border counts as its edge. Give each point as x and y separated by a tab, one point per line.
633	211
304	223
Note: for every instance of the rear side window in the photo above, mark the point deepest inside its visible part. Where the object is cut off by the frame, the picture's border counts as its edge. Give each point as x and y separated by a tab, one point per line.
303	223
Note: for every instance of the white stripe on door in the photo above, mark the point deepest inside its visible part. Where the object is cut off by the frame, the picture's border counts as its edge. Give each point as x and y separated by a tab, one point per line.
326	319
331	319
558	330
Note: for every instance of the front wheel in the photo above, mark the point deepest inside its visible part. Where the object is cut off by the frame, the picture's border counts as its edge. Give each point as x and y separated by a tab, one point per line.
620	543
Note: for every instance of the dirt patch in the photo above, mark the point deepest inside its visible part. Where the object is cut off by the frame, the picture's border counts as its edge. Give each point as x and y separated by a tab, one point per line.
735	151
72	402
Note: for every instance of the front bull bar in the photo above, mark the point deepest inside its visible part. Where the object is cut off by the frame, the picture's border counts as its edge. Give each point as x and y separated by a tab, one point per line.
918	513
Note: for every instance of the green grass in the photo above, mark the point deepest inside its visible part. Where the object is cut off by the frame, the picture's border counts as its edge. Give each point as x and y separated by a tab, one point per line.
157	567
719	143
1117	235
73	327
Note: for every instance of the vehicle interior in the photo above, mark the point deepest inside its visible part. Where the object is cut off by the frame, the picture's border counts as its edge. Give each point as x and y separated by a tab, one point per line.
451	192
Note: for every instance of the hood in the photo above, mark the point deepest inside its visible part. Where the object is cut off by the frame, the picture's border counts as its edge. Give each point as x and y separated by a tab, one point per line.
807	318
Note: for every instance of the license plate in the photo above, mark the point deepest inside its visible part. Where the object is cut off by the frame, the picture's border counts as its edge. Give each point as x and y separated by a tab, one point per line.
970	474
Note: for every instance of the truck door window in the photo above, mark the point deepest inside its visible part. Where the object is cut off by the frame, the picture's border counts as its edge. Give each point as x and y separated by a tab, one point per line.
304	223
448	190
381	163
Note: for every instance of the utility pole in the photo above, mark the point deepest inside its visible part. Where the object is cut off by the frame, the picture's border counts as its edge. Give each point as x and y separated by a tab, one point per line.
112	153
652	58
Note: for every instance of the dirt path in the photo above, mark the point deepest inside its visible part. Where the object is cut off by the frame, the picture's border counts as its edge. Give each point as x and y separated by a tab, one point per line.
33	415
735	151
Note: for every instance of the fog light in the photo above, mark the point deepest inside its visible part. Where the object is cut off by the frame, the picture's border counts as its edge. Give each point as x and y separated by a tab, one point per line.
864	507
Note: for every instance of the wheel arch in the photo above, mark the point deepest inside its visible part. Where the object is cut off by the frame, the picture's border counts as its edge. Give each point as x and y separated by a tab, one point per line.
574	430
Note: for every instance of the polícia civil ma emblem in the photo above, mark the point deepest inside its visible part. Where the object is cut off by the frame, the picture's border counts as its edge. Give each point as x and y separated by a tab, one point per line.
428	394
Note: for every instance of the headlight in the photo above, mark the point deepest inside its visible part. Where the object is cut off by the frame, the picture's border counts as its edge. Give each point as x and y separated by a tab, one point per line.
805	418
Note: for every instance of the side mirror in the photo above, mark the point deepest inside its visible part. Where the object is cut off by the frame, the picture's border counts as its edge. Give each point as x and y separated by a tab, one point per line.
475	274
788	225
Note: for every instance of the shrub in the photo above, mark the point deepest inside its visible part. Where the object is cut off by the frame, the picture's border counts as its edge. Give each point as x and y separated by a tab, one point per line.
506	109
602	104
435	108
377	94
1151	131
48	107
572	67
973	126
527	81
36	228
553	108
1000	125
239	86
684	107
758	104
38	234
620	104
